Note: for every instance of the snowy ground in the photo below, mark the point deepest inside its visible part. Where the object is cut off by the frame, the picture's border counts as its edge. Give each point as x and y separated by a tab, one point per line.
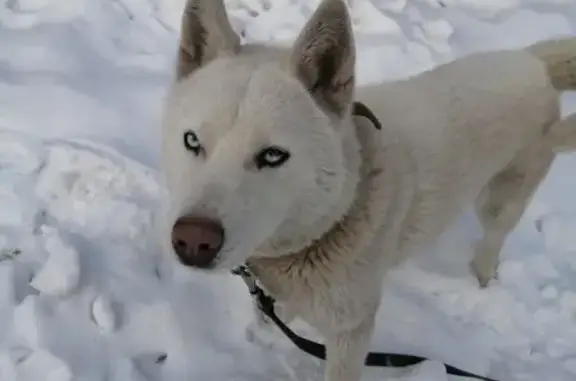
83	294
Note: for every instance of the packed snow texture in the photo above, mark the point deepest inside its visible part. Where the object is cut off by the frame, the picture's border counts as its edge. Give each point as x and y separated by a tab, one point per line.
84	292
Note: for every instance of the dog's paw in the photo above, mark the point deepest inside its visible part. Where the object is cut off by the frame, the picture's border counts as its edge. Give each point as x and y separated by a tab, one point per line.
484	273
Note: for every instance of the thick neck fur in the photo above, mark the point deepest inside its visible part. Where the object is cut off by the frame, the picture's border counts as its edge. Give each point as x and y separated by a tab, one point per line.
352	230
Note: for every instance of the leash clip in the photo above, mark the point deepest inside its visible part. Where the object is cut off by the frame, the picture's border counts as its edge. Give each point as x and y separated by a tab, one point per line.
264	302
247	277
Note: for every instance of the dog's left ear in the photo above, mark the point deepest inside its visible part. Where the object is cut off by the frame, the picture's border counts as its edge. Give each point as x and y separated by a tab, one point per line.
324	56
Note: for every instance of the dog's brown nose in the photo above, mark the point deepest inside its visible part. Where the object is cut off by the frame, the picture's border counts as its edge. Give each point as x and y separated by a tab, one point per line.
197	240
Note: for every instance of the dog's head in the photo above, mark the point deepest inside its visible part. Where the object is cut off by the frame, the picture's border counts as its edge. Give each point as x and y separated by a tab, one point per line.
258	150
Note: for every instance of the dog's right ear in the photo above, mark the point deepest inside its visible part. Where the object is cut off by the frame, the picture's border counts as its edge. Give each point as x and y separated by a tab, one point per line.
205	34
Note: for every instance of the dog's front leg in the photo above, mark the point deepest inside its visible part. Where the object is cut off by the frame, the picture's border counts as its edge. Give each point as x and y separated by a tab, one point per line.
346	352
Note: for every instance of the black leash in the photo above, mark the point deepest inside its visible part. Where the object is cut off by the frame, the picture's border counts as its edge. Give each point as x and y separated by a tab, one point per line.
265	304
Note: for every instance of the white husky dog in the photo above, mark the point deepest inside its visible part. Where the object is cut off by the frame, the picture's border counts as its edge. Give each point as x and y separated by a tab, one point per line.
266	165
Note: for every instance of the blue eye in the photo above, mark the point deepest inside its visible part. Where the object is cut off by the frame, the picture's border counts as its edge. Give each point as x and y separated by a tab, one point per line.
271	157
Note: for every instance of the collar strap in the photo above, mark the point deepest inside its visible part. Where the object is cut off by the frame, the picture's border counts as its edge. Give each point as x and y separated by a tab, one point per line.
360	109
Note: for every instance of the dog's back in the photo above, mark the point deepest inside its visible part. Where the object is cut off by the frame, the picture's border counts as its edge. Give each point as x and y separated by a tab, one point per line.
485	127
462	122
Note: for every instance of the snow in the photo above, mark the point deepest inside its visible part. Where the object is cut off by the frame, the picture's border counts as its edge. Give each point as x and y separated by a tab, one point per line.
60	274
103	313
84	293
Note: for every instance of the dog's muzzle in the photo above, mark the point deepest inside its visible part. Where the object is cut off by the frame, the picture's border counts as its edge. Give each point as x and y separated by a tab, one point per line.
197	240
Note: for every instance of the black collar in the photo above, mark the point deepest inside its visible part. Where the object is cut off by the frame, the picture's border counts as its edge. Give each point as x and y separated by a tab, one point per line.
360	109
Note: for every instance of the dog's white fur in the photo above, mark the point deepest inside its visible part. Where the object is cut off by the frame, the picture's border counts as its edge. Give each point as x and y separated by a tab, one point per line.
351	202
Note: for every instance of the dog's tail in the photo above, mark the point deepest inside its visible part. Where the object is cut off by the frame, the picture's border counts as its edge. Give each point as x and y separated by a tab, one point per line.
559	55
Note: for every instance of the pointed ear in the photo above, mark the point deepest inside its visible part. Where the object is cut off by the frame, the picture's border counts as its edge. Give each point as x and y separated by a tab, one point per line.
324	56
205	34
